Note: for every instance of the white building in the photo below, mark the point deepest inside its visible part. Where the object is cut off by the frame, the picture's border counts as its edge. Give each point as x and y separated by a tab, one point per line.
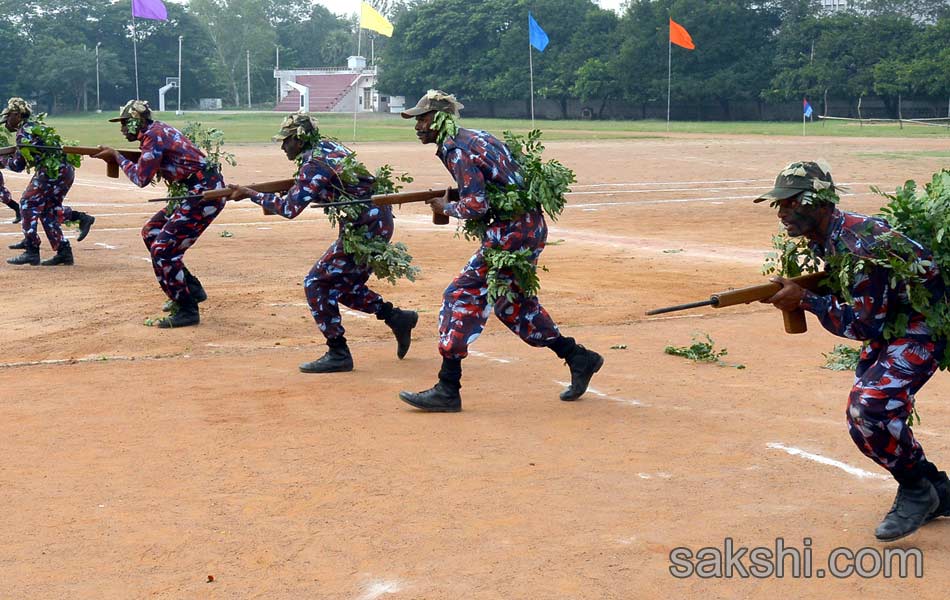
344	89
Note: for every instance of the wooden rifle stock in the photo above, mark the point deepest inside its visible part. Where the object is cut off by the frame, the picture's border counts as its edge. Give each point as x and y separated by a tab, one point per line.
424	196
112	168
794	320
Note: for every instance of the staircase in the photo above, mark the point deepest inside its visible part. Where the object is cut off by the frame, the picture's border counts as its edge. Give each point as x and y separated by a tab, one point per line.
326	91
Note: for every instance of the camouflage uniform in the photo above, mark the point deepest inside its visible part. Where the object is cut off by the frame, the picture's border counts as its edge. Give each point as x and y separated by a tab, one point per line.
336	278
42	200
168	153
477	159
892	366
890	371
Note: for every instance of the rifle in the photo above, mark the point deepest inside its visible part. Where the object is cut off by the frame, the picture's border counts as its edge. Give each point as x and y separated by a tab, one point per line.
112	168
424	196
267	187
794	320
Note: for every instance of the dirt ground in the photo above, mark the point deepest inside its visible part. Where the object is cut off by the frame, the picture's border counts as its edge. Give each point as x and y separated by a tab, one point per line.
138	462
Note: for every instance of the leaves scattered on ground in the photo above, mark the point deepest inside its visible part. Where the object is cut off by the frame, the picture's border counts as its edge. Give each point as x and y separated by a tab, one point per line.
226	234
702	350
842	358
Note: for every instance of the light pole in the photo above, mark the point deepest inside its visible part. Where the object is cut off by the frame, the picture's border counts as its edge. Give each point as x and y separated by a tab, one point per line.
98	107
277	68
179	111
249	79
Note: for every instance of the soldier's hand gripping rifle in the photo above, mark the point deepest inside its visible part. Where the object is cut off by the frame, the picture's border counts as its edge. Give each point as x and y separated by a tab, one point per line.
112	167
794	320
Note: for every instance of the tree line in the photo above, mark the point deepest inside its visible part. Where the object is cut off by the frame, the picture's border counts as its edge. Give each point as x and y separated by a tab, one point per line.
764	51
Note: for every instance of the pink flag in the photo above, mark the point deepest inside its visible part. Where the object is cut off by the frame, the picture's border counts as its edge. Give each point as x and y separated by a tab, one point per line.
149	9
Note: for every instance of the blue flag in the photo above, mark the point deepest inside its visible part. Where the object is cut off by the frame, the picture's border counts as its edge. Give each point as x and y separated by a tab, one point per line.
536	35
806	107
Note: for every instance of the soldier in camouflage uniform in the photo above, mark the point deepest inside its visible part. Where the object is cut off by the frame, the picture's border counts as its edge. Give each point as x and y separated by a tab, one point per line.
42	201
169	154
891	369
478	160
336	278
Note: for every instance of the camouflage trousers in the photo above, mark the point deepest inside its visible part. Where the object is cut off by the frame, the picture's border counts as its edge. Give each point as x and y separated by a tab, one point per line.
465	307
42	204
5	195
168	237
337	279
887	377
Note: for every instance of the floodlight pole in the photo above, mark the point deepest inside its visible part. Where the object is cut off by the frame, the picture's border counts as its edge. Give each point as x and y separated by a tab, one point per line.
249	79
179	111
98	106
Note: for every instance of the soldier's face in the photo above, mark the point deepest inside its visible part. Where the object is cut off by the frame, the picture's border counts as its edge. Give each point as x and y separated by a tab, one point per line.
798	218
292	147
424	128
13	121
125	131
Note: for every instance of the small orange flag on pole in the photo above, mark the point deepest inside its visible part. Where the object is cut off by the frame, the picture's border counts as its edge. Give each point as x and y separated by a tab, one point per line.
679	36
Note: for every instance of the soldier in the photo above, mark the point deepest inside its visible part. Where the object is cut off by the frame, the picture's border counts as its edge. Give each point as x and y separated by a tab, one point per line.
478	161
168	154
892	367
337	277
42	200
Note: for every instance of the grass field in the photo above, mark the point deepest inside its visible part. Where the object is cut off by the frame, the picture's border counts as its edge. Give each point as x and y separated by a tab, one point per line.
256	127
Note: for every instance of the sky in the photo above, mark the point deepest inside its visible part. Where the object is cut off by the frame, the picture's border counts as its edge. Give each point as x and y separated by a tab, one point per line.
347	7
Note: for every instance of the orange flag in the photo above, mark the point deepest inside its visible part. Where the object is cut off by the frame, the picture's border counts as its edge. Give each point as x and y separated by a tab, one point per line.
679	35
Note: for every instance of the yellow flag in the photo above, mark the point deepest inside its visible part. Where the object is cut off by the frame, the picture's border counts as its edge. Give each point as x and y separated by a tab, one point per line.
372	20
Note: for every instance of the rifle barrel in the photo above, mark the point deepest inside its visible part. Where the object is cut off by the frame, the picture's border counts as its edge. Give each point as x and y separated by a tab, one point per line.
669	309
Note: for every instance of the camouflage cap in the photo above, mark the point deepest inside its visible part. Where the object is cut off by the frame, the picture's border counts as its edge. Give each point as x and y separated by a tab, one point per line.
300	124
798	177
134	109
435	100
15	105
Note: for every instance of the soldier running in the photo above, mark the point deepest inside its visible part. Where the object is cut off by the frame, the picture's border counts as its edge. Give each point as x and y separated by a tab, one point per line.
479	161
42	200
337	278
169	154
891	368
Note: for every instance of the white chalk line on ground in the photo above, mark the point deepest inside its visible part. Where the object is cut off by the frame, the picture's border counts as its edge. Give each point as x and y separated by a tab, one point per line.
636	183
378	588
489	357
859	473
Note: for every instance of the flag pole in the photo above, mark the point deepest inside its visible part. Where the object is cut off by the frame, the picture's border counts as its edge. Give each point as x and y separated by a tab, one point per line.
669	80
135	53
356	87
803	123
531	79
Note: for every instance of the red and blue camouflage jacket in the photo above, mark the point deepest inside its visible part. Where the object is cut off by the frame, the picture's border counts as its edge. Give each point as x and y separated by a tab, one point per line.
874	303
165	151
16	162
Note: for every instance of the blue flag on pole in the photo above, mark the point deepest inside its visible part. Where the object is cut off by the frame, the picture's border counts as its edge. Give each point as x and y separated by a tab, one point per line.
806	108
536	35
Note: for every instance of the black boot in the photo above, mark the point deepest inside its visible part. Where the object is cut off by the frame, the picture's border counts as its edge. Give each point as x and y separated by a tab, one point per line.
337	359
942	484
195	288
85	224
16	210
30	256
21	245
583	363
914	503
63	256
186	316
443	396
402	322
